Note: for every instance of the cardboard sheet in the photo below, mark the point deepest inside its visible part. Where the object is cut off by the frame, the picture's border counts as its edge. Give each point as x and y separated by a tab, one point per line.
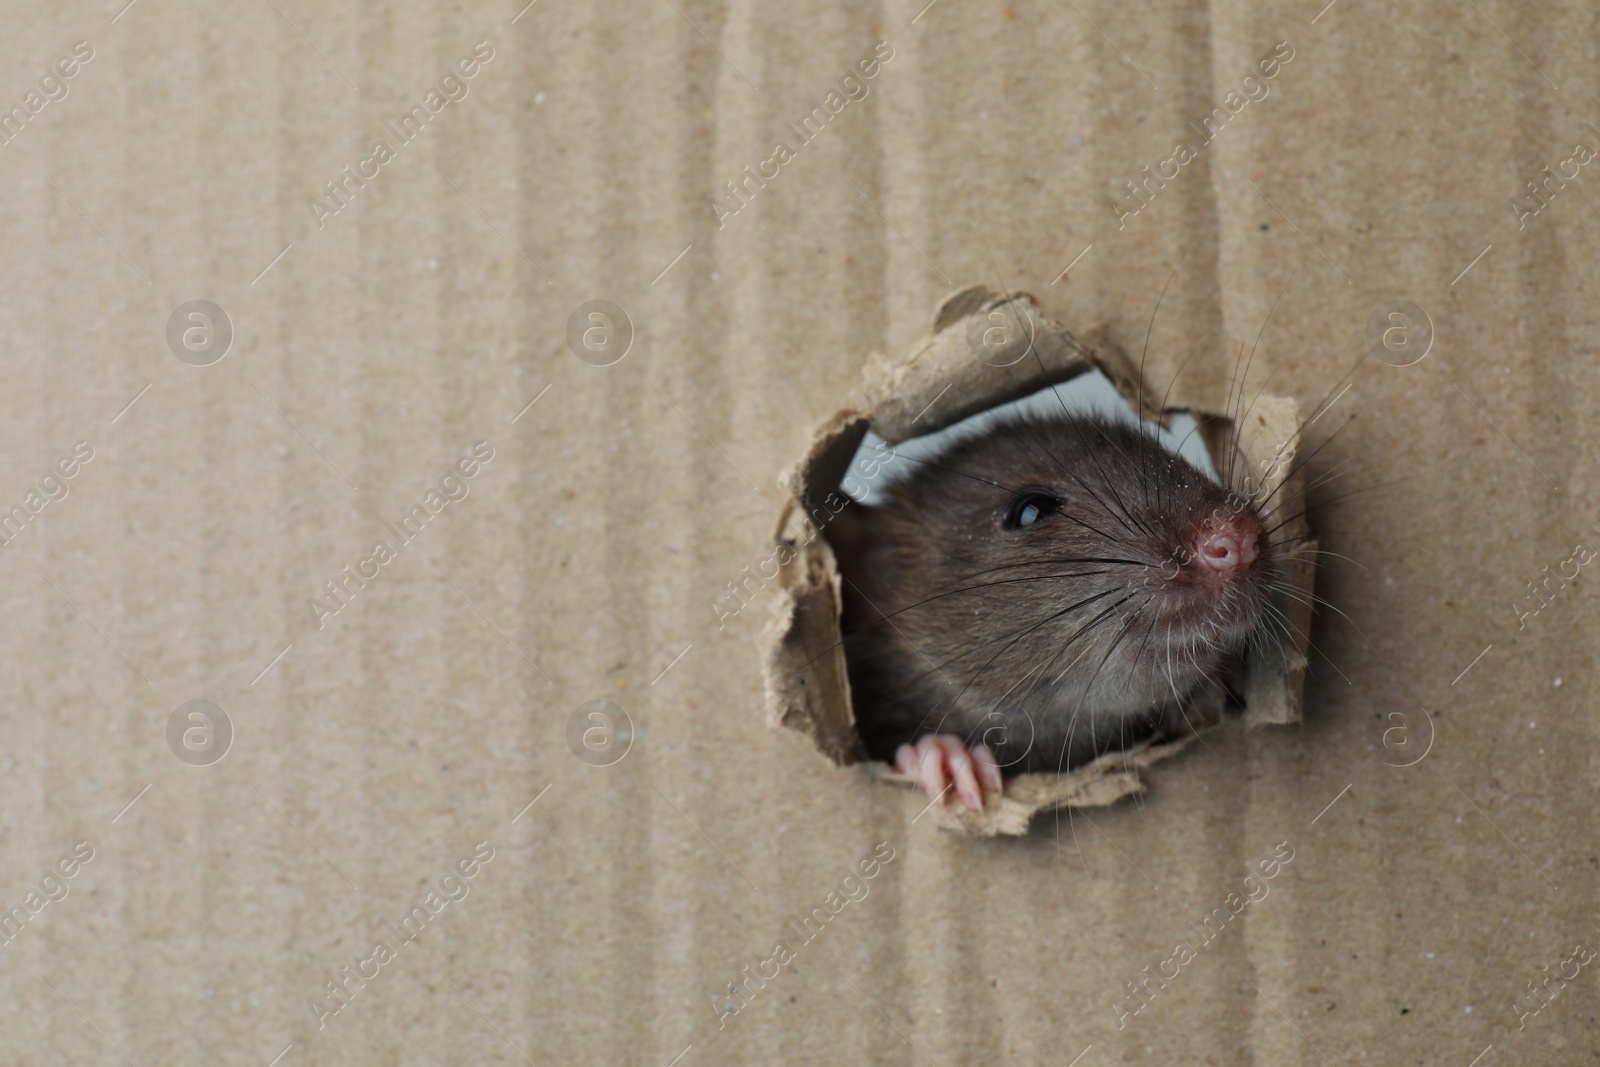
396	394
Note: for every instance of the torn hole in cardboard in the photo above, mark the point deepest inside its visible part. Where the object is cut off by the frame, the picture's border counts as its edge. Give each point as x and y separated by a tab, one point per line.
984	350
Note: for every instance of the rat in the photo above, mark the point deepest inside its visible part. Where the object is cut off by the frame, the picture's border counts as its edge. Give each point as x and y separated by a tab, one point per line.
1053	588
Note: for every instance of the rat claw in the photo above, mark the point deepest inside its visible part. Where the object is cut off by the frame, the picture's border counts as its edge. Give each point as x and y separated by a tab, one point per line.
908	760
905	761
930	767
960	767
943	761
988	769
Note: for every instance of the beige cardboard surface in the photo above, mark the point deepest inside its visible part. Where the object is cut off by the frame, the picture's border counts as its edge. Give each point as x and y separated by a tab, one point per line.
1437	799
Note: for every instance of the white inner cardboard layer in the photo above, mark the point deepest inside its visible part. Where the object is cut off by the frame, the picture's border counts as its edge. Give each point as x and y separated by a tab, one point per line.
1090	393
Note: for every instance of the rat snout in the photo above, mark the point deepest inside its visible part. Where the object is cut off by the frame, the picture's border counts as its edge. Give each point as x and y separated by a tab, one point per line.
1227	545
1217	591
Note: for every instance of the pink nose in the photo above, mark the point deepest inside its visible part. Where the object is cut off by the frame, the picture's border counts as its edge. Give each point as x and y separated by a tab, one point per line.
1227	548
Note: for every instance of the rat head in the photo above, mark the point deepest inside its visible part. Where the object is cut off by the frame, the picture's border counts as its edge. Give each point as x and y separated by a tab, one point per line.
1080	553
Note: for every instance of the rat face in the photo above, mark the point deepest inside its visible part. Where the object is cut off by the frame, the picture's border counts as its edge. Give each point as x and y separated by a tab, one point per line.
1064	568
1174	552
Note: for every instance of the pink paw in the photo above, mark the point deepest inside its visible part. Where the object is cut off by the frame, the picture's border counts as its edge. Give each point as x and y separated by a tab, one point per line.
939	761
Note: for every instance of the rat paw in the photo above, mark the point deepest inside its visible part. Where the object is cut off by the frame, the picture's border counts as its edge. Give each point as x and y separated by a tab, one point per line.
940	761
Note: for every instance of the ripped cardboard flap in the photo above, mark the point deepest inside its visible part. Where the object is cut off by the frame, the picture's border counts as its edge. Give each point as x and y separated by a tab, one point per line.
1094	785
987	349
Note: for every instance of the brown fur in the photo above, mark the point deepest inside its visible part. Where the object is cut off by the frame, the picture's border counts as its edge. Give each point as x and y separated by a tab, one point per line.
1052	643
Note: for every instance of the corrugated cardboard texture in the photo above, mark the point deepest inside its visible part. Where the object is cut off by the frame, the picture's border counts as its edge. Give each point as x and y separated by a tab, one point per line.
1438	798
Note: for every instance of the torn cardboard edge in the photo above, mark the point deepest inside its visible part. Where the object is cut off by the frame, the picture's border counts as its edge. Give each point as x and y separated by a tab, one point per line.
986	349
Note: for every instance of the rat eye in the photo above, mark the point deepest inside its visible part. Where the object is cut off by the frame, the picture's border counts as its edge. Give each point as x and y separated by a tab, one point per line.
1029	506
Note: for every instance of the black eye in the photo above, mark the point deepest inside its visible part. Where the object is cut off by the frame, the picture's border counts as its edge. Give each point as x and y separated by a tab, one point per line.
1029	506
